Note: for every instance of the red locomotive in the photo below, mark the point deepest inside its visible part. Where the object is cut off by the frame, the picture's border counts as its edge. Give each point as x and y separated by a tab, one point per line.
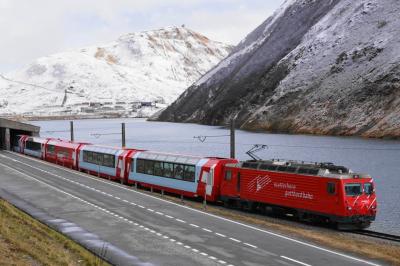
310	191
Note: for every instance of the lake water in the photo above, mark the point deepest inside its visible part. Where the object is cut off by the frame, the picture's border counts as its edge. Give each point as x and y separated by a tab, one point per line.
379	158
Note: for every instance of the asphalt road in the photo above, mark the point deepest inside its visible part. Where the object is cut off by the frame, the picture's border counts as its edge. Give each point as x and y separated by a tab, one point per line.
140	229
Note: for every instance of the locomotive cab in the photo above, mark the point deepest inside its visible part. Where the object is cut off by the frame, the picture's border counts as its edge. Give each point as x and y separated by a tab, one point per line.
360	200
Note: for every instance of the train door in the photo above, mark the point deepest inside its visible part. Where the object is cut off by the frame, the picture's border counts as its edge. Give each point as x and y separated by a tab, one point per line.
120	167
207	178
210	181
332	198
129	165
77	154
21	143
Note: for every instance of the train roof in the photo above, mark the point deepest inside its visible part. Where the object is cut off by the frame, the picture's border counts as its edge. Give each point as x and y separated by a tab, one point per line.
325	169
103	149
38	139
169	157
64	143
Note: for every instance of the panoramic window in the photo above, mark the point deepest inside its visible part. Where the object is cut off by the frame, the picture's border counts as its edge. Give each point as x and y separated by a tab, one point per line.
189	173
158	169
140	166
148	167
102	159
168	169
178	170
353	189
165	169
108	160
34	146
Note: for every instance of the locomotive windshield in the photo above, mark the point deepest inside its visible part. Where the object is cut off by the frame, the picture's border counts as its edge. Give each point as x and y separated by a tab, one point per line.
354	189
368	188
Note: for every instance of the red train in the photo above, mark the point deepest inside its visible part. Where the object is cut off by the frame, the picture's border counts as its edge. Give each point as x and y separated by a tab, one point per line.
311	191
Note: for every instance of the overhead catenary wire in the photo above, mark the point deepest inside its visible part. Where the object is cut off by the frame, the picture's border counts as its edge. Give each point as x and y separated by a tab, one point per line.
204	138
98	135
29	84
55	131
190	141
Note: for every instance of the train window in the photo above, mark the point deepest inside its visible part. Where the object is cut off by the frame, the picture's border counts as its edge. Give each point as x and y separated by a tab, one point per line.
63	153
353	189
158	169
331	188
109	160
272	167
91	158
51	149
86	156
104	159
140	166
168	169
148	167
368	188
34	146
189	173
178	171
291	169
228	175
98	158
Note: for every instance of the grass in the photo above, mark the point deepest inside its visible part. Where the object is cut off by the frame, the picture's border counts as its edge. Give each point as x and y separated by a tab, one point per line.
25	241
361	246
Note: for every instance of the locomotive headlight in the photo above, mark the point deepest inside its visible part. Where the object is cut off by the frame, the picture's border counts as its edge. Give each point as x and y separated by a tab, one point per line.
349	208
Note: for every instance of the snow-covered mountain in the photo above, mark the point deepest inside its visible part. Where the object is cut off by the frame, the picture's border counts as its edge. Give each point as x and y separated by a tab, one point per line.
315	66
152	66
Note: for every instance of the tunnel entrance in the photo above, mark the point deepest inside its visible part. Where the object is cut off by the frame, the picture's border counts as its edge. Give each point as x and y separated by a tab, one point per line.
2	138
9	131
14	137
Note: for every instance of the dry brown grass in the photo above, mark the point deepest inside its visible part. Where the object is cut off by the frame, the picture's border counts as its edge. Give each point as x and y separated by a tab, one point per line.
364	247
25	241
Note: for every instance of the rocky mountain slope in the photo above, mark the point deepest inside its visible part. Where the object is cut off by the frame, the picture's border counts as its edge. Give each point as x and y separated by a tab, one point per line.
315	66
152	66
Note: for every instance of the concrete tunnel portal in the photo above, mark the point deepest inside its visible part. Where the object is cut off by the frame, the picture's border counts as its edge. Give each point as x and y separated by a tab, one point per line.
9	130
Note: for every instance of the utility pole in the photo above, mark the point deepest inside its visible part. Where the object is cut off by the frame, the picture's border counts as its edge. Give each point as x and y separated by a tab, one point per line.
71	126
123	135
232	138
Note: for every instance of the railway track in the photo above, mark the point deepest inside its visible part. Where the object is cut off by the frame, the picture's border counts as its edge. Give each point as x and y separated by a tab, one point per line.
379	235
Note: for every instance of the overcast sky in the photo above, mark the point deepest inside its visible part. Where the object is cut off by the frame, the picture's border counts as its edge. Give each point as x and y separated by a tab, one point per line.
34	28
